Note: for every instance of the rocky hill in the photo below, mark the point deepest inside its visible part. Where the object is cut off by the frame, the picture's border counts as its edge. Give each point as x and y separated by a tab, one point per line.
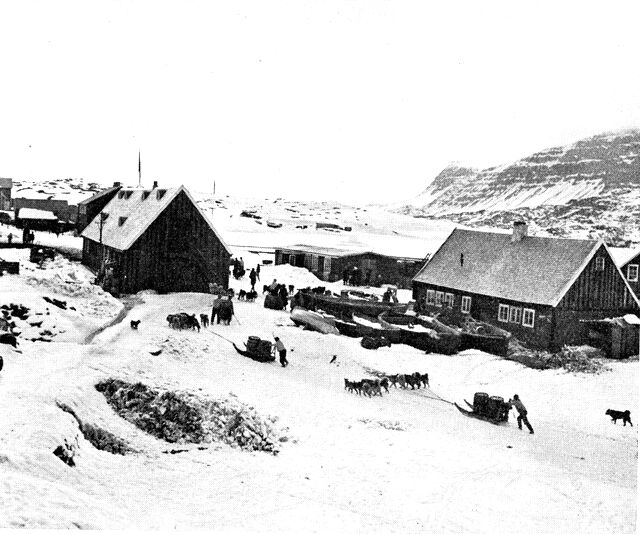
588	188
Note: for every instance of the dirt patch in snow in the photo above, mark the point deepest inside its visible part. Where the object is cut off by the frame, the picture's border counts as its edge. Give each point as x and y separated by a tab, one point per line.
181	417
574	359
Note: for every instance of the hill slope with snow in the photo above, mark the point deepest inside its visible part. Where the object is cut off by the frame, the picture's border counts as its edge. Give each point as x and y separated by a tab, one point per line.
589	186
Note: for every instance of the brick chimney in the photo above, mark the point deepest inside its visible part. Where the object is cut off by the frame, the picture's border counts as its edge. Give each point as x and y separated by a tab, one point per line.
520	231
155	184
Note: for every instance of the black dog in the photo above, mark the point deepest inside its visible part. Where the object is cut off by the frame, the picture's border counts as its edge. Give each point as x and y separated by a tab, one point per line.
251	295
135	324
291	288
242	294
615	415
204	319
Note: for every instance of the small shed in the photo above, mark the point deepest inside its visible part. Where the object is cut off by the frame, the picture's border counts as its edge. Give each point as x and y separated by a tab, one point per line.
618	337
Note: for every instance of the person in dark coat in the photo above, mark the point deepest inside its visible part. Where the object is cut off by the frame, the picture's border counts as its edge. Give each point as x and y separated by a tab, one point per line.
345	277
284	295
215	310
281	350
522	412
252	279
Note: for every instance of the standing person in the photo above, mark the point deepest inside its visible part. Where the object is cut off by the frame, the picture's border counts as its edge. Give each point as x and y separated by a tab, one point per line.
215	310
10	238
345	276
282	352
252	279
258	271
522	413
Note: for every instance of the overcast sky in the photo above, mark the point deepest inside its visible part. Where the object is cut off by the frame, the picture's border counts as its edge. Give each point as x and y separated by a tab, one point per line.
360	100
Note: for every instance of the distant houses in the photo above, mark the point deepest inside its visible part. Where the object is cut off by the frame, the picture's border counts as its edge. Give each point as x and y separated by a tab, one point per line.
331	264
65	212
538	288
155	239
34	219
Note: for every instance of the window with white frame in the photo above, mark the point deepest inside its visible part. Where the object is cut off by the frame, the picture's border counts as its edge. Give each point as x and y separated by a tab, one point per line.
503	313
515	314
528	317
599	263
632	272
431	296
439	298
448	300
465	305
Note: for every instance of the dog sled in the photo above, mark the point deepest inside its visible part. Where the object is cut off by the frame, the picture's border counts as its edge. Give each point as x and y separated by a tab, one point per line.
491	409
257	349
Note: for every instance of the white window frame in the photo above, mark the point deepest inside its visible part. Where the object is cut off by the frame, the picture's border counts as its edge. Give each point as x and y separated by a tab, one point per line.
600	263
503	313
528	312
515	314
439	298
465	304
630	268
448	300
431	296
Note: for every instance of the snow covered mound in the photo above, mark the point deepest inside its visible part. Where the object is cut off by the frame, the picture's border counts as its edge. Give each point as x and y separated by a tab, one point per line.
181	417
595	180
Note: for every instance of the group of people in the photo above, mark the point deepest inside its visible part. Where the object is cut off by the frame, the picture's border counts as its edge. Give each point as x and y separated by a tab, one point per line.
354	277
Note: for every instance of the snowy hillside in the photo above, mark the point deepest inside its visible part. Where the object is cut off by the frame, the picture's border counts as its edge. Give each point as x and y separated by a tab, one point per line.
402	462
581	189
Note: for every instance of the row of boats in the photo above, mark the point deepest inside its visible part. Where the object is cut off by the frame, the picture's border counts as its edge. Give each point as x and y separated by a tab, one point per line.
355	317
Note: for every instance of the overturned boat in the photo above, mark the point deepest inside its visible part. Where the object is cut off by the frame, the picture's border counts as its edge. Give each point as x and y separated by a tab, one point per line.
314	321
422	333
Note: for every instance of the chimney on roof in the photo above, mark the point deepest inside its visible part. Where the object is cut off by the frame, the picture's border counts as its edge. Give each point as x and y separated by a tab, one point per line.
116	184
155	184
520	231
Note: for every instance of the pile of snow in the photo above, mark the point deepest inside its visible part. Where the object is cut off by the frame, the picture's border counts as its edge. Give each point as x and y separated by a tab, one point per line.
182	417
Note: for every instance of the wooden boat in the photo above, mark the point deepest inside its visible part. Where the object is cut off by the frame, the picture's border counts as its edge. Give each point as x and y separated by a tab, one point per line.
421	333
314	321
345	307
474	334
364	326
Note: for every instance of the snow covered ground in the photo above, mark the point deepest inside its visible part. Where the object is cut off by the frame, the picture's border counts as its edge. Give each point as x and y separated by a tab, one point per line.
403	462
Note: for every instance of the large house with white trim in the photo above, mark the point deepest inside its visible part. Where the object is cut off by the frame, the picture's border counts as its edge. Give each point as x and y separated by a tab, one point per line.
155	239
538	288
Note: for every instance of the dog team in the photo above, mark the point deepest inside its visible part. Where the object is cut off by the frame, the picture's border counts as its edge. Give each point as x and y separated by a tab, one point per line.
374	386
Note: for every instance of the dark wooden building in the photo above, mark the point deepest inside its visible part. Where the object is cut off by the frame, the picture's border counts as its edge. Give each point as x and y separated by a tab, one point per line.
89	208
35	219
538	288
329	264
155	239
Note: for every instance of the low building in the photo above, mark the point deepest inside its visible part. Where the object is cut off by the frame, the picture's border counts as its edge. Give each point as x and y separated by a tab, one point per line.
60	208
330	264
6	184
89	208
34	219
155	239
538	288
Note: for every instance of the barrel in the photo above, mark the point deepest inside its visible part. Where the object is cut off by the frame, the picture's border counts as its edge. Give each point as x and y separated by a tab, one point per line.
252	343
495	407
480	402
264	348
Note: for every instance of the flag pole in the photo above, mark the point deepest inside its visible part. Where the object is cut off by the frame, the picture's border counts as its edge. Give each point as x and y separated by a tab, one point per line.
139	171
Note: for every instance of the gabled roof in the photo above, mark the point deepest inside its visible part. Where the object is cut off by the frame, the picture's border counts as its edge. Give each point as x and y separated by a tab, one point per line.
131	212
537	270
99	194
6	183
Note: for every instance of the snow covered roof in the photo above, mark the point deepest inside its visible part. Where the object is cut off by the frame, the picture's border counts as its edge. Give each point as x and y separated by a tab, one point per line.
99	194
623	255
535	269
32	213
6	183
339	253
131	212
